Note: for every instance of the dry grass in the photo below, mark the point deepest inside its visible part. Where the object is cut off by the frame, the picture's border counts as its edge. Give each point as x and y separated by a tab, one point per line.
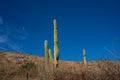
99	70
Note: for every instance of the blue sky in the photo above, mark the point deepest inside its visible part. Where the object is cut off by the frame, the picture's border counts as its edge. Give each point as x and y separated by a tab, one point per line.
93	25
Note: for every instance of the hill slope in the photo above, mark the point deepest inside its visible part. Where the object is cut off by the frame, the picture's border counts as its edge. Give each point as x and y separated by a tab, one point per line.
18	66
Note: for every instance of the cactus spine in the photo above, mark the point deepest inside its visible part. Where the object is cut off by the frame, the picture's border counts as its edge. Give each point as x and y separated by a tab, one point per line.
46	51
84	57
50	55
56	50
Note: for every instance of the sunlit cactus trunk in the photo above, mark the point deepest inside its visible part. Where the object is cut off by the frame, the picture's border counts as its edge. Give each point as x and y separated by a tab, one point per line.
56	50
46	52
50	55
84	57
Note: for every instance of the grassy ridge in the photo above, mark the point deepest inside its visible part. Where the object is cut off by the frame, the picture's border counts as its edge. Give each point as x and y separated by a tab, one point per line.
11	64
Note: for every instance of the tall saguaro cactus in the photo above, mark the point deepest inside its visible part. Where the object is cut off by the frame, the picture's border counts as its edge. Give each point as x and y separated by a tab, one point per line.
46	52
56	50
84	57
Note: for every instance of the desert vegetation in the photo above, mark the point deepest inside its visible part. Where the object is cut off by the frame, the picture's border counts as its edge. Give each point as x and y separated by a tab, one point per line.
17	66
36	69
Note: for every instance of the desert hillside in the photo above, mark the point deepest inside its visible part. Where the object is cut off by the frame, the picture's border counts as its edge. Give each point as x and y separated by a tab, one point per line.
18	66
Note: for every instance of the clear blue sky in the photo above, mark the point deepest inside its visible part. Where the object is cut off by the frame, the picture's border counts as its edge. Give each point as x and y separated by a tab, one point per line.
93	25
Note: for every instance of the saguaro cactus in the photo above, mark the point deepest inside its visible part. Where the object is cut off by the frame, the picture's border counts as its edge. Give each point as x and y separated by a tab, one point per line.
56	50
84	57
50	55
46	52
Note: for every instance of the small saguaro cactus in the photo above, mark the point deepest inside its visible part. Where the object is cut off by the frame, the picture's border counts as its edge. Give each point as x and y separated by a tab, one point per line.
46	52
50	55
84	57
56	50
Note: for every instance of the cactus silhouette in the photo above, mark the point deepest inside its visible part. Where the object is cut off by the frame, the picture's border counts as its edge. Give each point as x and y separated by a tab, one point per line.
56	50
46	52
84	57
